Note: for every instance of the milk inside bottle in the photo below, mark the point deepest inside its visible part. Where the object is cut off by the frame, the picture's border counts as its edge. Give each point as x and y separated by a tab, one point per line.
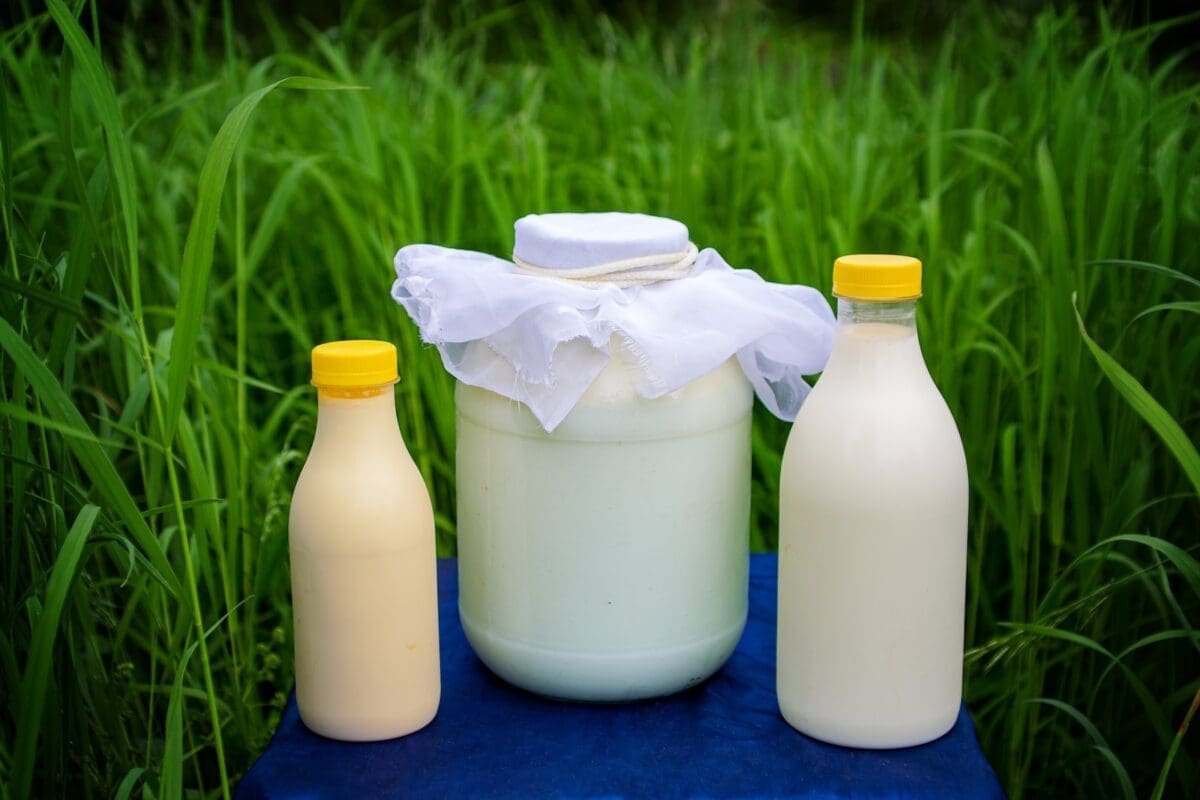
606	380
363	560
873	529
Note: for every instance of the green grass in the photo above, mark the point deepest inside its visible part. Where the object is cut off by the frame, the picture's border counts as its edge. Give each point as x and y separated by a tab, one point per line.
177	236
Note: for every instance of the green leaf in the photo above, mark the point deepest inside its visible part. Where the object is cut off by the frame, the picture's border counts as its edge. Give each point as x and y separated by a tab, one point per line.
1160	785
198	248
37	294
32	697
1148	267
1053	210
80	256
25	415
1101	743
1147	407
274	213
1187	565
125	790
1179	305
1057	633
99	88
89	453
1154	638
171	782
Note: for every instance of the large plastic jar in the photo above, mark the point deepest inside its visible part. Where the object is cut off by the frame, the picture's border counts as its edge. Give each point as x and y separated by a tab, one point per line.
607	560
605	382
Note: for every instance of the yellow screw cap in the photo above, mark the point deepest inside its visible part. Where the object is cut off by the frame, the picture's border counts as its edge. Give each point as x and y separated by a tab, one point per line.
354	363
877	277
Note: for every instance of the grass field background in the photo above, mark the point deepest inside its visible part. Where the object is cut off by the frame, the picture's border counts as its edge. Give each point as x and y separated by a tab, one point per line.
180	228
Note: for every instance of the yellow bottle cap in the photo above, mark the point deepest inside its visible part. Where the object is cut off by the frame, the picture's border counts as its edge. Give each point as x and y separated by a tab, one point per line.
877	277
354	363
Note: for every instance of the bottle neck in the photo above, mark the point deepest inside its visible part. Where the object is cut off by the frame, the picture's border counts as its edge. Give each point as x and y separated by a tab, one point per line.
858	312
876	343
358	418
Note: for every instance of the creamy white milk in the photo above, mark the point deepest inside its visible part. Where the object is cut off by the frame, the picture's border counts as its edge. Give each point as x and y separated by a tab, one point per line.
364	581
872	544
606	561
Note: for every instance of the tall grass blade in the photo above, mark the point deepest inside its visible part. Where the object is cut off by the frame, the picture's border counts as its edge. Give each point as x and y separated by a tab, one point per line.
83	238
104	98
6	187
1146	266
171	780
1147	408
125	789
1101	743
41	650
1187	565
23	414
39	295
198	248
1160	785
1071	637
1177	305
89	453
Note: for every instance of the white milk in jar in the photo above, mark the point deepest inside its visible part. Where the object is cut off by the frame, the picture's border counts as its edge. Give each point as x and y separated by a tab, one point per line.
606	379
607	560
873	530
363	560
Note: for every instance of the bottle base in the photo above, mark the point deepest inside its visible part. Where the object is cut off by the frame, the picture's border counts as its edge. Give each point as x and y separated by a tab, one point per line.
602	677
871	734
360	730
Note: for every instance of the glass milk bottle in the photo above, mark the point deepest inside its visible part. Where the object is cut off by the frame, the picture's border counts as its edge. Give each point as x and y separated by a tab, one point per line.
361	541
873	529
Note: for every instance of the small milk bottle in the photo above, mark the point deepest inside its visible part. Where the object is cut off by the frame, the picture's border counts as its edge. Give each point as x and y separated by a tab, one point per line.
361	540
873	529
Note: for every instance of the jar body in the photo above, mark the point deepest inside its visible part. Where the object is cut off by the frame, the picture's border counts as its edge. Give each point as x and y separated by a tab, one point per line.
872	549
364	578
606	561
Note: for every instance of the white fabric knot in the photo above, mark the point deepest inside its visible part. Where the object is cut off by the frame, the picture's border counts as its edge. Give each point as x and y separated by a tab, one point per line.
639	271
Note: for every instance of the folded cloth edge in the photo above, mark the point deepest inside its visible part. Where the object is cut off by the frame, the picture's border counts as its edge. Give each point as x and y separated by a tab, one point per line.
461	300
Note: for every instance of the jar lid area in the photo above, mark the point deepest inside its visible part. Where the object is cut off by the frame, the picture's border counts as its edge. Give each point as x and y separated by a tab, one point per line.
576	241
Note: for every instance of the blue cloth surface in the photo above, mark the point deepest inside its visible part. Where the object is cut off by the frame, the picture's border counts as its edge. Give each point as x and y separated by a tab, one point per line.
724	738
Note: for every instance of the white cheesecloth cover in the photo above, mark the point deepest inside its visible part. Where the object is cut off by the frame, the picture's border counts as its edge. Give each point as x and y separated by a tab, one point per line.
542	340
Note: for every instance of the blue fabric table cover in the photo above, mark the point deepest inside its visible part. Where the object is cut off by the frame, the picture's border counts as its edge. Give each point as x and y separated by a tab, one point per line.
724	738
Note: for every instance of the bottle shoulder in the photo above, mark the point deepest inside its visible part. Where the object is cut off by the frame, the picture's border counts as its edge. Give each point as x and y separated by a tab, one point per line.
378	503
901	425
875	443
354	472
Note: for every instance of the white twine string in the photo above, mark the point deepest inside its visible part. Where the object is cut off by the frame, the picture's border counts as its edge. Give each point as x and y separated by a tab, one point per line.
628	272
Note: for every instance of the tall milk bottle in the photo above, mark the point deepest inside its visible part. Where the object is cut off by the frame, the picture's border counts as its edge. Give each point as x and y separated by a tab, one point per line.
364	568
873	529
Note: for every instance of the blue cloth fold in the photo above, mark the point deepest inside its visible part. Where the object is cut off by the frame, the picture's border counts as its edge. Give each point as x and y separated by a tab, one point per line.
724	738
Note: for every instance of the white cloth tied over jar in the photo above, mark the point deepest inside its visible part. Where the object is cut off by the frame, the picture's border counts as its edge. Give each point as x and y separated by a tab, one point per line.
586	288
